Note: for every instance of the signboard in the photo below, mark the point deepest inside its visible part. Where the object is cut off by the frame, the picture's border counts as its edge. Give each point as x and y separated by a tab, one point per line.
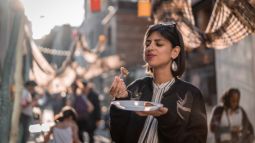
144	8
95	5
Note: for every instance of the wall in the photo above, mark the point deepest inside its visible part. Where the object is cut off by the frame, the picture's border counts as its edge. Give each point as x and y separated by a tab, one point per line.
130	33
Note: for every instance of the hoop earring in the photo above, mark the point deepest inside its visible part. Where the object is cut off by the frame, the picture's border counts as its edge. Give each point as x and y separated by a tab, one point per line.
174	66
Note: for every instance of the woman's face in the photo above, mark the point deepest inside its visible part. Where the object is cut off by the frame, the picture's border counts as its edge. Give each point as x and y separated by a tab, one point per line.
158	51
234	101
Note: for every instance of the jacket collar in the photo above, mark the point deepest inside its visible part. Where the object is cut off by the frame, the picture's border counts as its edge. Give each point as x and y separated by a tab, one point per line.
149	81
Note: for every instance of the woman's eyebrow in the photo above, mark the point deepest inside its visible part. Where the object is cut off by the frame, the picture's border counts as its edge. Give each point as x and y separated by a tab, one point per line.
157	40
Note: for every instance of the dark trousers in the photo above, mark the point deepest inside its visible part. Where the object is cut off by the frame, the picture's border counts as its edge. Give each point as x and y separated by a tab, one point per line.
85	126
91	136
25	121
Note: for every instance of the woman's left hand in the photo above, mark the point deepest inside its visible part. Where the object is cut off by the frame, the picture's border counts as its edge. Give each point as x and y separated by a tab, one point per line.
236	129
156	113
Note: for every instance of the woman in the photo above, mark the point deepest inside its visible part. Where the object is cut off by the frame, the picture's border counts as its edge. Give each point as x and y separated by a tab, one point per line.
182	119
65	130
229	122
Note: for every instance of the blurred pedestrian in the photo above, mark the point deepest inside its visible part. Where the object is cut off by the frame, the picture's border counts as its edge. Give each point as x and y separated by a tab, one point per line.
57	102
71	93
182	119
229	122
26	115
84	107
66	129
95	115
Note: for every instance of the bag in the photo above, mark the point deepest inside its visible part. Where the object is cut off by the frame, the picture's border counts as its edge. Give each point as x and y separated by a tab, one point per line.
247	138
81	108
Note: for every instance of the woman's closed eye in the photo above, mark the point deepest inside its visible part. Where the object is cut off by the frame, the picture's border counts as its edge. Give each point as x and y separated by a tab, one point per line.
148	43
159	44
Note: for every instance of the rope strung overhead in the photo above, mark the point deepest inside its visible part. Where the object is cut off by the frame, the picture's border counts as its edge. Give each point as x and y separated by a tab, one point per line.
54	52
231	21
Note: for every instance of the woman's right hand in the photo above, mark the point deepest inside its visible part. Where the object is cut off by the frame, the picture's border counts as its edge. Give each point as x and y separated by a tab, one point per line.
118	88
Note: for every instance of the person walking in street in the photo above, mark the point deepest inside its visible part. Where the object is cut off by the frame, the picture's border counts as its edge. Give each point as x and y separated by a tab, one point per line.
26	115
229	122
95	115
182	119
84	108
71	93
66	129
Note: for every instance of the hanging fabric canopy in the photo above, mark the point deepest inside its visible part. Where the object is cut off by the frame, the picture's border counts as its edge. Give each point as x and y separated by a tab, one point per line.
231	21
179	11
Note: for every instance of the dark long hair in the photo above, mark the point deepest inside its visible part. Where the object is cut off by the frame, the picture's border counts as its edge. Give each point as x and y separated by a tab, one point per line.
66	112
170	32
228	95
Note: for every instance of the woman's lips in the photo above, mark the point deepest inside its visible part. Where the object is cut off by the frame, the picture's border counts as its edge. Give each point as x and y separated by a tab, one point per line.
150	56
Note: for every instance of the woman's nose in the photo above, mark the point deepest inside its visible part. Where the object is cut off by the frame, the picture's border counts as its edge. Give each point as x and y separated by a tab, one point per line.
150	47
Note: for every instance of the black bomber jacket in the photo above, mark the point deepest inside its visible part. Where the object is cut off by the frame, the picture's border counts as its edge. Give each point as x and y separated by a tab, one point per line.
185	121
